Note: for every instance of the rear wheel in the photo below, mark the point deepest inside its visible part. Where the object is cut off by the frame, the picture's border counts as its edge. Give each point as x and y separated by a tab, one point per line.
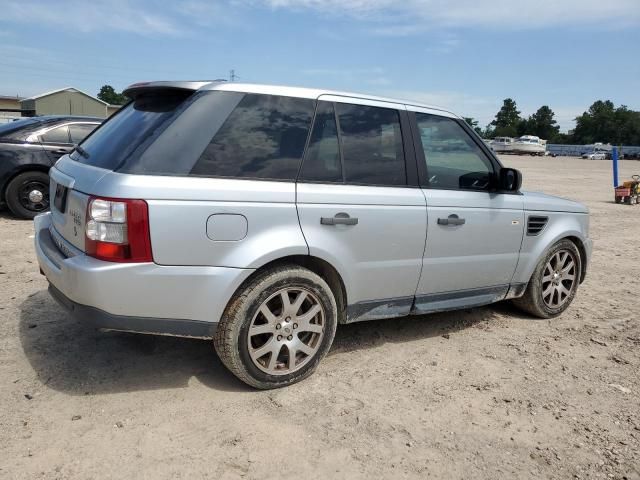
27	194
277	329
554	282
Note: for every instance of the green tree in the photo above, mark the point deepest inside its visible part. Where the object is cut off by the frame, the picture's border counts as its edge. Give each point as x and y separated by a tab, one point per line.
488	132
524	127
473	123
108	94
605	123
563	139
507	119
597	124
542	124
627	126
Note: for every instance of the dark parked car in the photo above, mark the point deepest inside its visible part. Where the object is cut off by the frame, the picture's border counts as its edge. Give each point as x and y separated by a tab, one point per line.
28	148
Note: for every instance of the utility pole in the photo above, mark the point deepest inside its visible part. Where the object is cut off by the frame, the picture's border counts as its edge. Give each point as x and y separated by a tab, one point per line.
232	76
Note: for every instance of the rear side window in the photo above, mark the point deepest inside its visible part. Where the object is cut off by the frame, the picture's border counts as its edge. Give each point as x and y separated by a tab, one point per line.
372	149
322	160
264	137
15	129
79	131
56	135
454	160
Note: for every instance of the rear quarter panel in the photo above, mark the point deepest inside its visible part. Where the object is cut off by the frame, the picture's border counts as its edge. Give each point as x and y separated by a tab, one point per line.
180	208
181	229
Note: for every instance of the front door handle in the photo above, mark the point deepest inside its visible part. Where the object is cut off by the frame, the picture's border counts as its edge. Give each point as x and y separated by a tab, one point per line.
339	219
452	219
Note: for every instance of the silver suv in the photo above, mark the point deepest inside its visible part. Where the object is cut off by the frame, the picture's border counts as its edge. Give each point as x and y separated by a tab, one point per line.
263	216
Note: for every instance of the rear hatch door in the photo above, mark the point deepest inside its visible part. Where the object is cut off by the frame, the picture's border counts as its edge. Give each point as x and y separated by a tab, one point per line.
68	210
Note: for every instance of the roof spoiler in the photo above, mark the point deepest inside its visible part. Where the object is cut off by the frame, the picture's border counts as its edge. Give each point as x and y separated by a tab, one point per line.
135	89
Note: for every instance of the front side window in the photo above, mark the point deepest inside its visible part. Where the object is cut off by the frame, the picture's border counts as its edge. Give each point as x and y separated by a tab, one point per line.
264	137
372	149
56	135
454	160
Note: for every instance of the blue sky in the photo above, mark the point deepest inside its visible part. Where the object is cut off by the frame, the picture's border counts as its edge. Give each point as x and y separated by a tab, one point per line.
465	55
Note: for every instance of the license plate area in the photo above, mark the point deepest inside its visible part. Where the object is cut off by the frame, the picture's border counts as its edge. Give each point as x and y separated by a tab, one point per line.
60	198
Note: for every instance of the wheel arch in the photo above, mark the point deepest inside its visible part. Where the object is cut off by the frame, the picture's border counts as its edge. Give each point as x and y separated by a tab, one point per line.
320	267
560	227
583	254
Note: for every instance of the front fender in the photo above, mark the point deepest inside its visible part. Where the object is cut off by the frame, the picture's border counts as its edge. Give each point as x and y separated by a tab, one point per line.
560	225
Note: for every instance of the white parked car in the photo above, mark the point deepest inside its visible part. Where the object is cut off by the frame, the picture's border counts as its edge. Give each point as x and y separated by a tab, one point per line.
595	156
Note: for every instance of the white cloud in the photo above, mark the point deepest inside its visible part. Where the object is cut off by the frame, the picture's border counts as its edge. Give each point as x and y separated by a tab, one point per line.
89	16
444	44
409	16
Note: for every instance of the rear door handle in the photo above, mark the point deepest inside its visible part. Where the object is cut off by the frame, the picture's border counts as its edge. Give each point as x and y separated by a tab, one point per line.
452	220
339	219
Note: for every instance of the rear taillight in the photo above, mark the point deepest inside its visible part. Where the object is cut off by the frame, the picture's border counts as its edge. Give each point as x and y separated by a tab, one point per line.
117	230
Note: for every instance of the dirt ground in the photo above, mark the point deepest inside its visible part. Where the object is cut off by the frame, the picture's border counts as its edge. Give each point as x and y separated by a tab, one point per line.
482	393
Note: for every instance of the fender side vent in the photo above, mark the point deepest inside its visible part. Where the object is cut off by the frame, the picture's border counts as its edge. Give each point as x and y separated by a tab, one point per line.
535	225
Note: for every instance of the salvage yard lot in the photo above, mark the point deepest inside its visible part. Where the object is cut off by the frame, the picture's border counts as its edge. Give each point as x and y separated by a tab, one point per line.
482	393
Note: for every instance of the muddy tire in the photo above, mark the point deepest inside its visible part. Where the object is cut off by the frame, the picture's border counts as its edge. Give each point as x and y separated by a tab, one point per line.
278	327
554	282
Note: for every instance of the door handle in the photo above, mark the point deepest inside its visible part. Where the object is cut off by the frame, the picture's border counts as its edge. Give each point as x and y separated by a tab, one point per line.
339	219
452	219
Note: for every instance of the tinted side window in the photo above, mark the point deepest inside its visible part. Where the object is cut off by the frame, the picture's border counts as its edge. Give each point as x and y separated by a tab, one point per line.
57	135
264	137
322	160
454	160
79	131
371	145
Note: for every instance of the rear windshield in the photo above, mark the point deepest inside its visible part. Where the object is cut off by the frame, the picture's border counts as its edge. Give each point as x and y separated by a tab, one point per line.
210	134
13	129
132	127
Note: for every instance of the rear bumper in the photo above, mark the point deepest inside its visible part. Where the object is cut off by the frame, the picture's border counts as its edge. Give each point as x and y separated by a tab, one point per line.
141	297
157	326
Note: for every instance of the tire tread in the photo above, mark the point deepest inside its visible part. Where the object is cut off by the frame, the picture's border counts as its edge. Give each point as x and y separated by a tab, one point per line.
225	337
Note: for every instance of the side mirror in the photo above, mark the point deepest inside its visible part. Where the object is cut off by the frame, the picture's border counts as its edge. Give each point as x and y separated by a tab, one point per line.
510	180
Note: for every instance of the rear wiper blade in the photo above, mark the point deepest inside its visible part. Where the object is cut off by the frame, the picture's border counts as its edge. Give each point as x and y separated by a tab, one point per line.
82	151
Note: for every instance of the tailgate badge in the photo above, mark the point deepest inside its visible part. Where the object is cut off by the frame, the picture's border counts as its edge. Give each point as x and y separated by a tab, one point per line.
77	221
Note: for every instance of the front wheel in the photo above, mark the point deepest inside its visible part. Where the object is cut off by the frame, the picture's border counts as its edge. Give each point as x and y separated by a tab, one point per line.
554	282
276	330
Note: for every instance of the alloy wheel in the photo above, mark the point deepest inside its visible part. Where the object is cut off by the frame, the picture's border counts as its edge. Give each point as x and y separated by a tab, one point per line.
286	332
559	278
